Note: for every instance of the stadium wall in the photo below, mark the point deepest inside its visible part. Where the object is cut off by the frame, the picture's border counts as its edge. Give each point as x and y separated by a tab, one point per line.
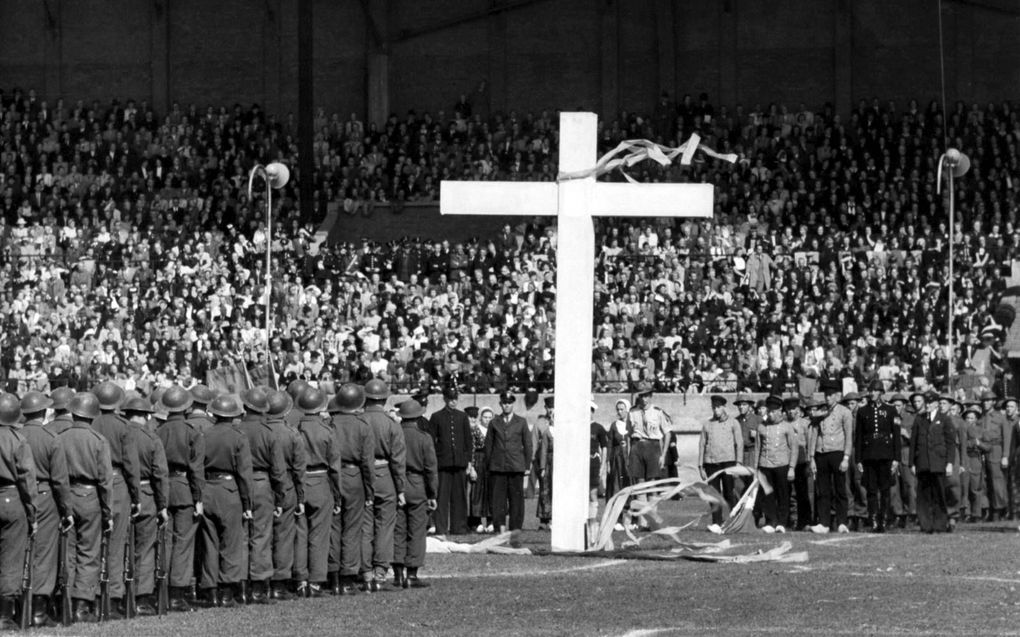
603	55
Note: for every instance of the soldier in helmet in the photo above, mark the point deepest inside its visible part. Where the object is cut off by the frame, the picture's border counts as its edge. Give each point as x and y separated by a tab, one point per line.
420	495
227	495
357	487
321	493
153	486
294	390
17	506
124	456
90	474
388	486
268	496
53	502
285	526
184	447
199	418
61	420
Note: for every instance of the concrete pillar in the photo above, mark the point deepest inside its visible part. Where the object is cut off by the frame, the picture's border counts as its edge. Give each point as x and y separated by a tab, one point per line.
159	58
842	58
610	51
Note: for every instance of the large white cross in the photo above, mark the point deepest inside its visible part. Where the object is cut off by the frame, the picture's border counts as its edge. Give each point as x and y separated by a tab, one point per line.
574	202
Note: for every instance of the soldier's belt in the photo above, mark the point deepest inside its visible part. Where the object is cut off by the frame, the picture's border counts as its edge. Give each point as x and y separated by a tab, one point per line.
349	465
7	485
381	462
219	475
260	472
144	482
91	484
178	474
315	472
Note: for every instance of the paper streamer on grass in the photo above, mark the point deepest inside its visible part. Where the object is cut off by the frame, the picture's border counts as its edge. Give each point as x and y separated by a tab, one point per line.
633	151
779	554
493	544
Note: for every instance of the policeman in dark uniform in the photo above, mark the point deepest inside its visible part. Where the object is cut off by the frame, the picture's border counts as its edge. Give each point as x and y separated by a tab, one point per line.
420	495
124	455
321	493
153	487
90	474
53	502
227	495
356	443
877	449
268	495
454	446
292	447
388	486
61	420
18	497
184	447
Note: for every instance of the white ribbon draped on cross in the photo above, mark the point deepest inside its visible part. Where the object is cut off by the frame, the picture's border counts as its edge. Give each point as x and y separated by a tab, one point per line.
638	150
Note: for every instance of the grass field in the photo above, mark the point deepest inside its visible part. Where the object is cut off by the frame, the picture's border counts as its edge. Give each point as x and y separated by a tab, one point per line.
895	584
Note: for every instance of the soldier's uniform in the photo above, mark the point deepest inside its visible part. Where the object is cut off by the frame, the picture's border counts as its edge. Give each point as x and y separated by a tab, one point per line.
971	471
357	478
18	496
321	493
90	475
421	486
184	447
292	446
268	474
995	432
153	485
227	497
388	483
124	456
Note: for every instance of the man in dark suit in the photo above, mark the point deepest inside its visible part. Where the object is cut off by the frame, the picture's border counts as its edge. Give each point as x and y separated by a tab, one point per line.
509	450
451	432
877	448
931	453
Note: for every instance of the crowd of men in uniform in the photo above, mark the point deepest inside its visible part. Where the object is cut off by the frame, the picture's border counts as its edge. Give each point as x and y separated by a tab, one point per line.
855	462
247	498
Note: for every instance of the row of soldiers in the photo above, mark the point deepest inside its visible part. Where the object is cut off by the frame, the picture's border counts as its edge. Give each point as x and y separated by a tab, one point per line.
110	499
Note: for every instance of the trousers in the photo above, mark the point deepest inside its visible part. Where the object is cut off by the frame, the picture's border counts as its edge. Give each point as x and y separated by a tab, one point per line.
378	525
14	541
451	503
877	481
83	545
312	531
345	537
285	538
932	511
776	505
224	545
830	486
260	544
120	504
412	524
723	484
508	493
44	553
145	543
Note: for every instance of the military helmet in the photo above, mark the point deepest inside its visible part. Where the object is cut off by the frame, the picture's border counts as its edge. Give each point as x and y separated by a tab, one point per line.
10	409
201	395
34	402
311	400
280	403
226	406
255	399
84	405
109	394
137	404
176	399
61	396
349	398
377	389
296	387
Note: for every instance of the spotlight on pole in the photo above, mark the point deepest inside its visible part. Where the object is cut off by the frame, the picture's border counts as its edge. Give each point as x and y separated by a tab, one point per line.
957	164
278	175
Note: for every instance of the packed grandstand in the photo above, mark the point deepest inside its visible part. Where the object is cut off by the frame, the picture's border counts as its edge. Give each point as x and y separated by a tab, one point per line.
132	253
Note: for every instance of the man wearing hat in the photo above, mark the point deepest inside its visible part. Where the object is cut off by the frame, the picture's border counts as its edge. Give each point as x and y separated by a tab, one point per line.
268	495
648	428
829	449
387	486
721	444
184	448
454	448
858	508
776	453
972	479
321	492
90	475
153	494
877	451
199	418
954	480
126	490
542	468
228	496
19	497
931	456
509	450
53	502
285	525
356	442
903	497
420	496
749	422
801	494
995	431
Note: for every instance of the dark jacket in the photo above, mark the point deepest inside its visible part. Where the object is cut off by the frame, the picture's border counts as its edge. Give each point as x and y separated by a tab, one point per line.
508	444
184	448
877	433
933	443
451	431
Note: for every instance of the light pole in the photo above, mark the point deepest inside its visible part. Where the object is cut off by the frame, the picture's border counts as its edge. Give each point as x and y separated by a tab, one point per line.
958	164
275	175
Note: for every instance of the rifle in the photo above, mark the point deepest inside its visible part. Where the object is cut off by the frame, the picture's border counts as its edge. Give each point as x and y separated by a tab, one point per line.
63	591
162	593
26	584
104	578
247	591
129	572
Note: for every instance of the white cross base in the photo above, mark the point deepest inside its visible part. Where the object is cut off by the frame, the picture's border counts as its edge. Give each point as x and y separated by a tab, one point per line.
574	202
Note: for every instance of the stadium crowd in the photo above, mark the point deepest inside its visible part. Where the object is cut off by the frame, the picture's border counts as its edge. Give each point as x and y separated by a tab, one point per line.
131	251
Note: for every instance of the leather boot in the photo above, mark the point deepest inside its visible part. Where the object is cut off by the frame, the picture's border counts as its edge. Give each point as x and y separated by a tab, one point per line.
178	600
145	606
260	593
280	590
243	592
207	598
83	612
228	595
116	608
333	582
348	586
40	614
413	581
7	606
398	575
